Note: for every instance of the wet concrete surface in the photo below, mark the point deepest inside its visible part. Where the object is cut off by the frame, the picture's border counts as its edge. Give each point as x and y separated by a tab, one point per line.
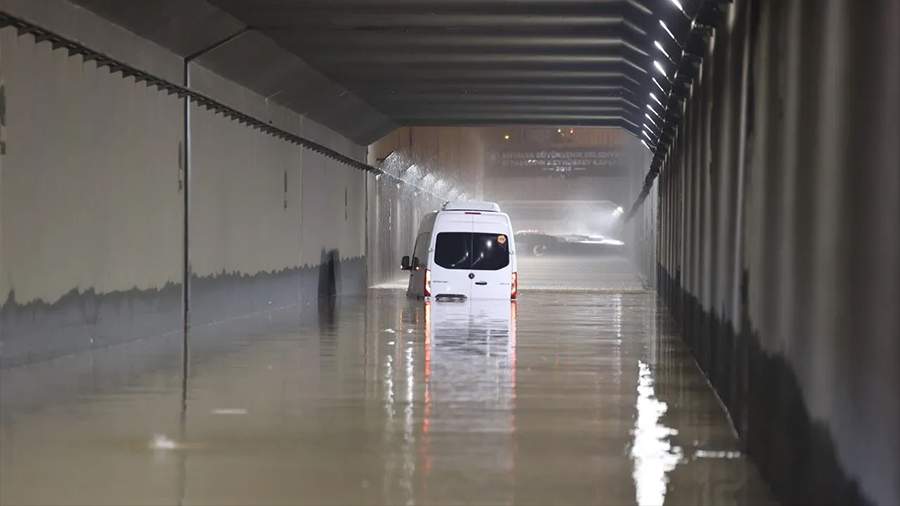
579	273
558	398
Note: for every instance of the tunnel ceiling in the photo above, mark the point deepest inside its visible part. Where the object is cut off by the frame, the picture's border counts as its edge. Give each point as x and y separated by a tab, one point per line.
436	62
465	62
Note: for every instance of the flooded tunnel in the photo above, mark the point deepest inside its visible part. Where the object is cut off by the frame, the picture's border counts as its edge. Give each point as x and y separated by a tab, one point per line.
383	252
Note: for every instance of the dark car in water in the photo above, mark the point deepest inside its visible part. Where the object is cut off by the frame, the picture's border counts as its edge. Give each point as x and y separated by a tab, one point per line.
536	243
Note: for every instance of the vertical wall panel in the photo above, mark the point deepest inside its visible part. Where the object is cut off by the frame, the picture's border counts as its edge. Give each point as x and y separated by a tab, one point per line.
90	205
790	141
333	225
245	229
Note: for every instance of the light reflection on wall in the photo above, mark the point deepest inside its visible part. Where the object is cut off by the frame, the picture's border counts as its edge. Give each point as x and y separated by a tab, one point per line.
652	452
419	177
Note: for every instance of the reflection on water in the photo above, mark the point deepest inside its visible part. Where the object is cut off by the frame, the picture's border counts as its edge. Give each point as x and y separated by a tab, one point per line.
448	373
387	400
471	352
469	381
161	442
653	454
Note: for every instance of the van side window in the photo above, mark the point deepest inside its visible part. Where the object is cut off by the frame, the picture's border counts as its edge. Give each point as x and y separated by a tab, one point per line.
420	250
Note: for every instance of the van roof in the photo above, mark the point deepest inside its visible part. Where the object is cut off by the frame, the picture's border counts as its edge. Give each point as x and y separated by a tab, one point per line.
471	205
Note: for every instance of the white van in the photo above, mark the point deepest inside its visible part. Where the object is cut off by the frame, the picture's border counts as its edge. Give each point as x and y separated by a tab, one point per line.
465	250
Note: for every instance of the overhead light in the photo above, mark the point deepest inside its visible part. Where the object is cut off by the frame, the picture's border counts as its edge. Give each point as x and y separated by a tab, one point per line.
646	145
653	111
651	119
506	137
662	49
647	135
658	85
678	4
660	68
653	96
666	28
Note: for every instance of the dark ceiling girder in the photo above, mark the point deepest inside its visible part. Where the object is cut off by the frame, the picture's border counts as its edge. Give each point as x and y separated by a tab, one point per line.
381	20
325	41
490	73
507	98
501	111
529	119
512	90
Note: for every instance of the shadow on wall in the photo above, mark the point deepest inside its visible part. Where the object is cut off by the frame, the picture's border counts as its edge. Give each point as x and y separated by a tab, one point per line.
329	273
329	276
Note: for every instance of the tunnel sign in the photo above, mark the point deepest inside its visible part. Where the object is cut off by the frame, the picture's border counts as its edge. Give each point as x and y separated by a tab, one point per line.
566	162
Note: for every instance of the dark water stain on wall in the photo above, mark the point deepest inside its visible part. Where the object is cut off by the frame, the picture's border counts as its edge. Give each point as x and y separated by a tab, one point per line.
795	453
82	320
225	295
85	320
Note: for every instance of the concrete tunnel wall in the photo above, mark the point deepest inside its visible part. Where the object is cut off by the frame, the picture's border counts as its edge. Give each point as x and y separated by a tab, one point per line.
778	244
271	223
91	202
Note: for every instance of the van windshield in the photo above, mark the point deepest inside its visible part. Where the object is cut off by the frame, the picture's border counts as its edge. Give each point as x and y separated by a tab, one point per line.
474	251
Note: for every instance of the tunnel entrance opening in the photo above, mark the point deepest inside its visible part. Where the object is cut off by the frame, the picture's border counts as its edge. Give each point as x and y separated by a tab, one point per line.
564	189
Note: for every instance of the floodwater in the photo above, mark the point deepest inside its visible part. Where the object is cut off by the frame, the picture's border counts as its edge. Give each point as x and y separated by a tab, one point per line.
559	398
578	273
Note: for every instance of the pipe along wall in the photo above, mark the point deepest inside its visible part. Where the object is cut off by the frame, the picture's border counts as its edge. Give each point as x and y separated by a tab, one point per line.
92	206
778	241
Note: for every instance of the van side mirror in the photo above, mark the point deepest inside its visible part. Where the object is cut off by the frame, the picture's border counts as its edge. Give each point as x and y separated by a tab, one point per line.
404	264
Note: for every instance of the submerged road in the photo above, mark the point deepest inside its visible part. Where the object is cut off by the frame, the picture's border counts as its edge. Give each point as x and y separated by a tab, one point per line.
560	398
